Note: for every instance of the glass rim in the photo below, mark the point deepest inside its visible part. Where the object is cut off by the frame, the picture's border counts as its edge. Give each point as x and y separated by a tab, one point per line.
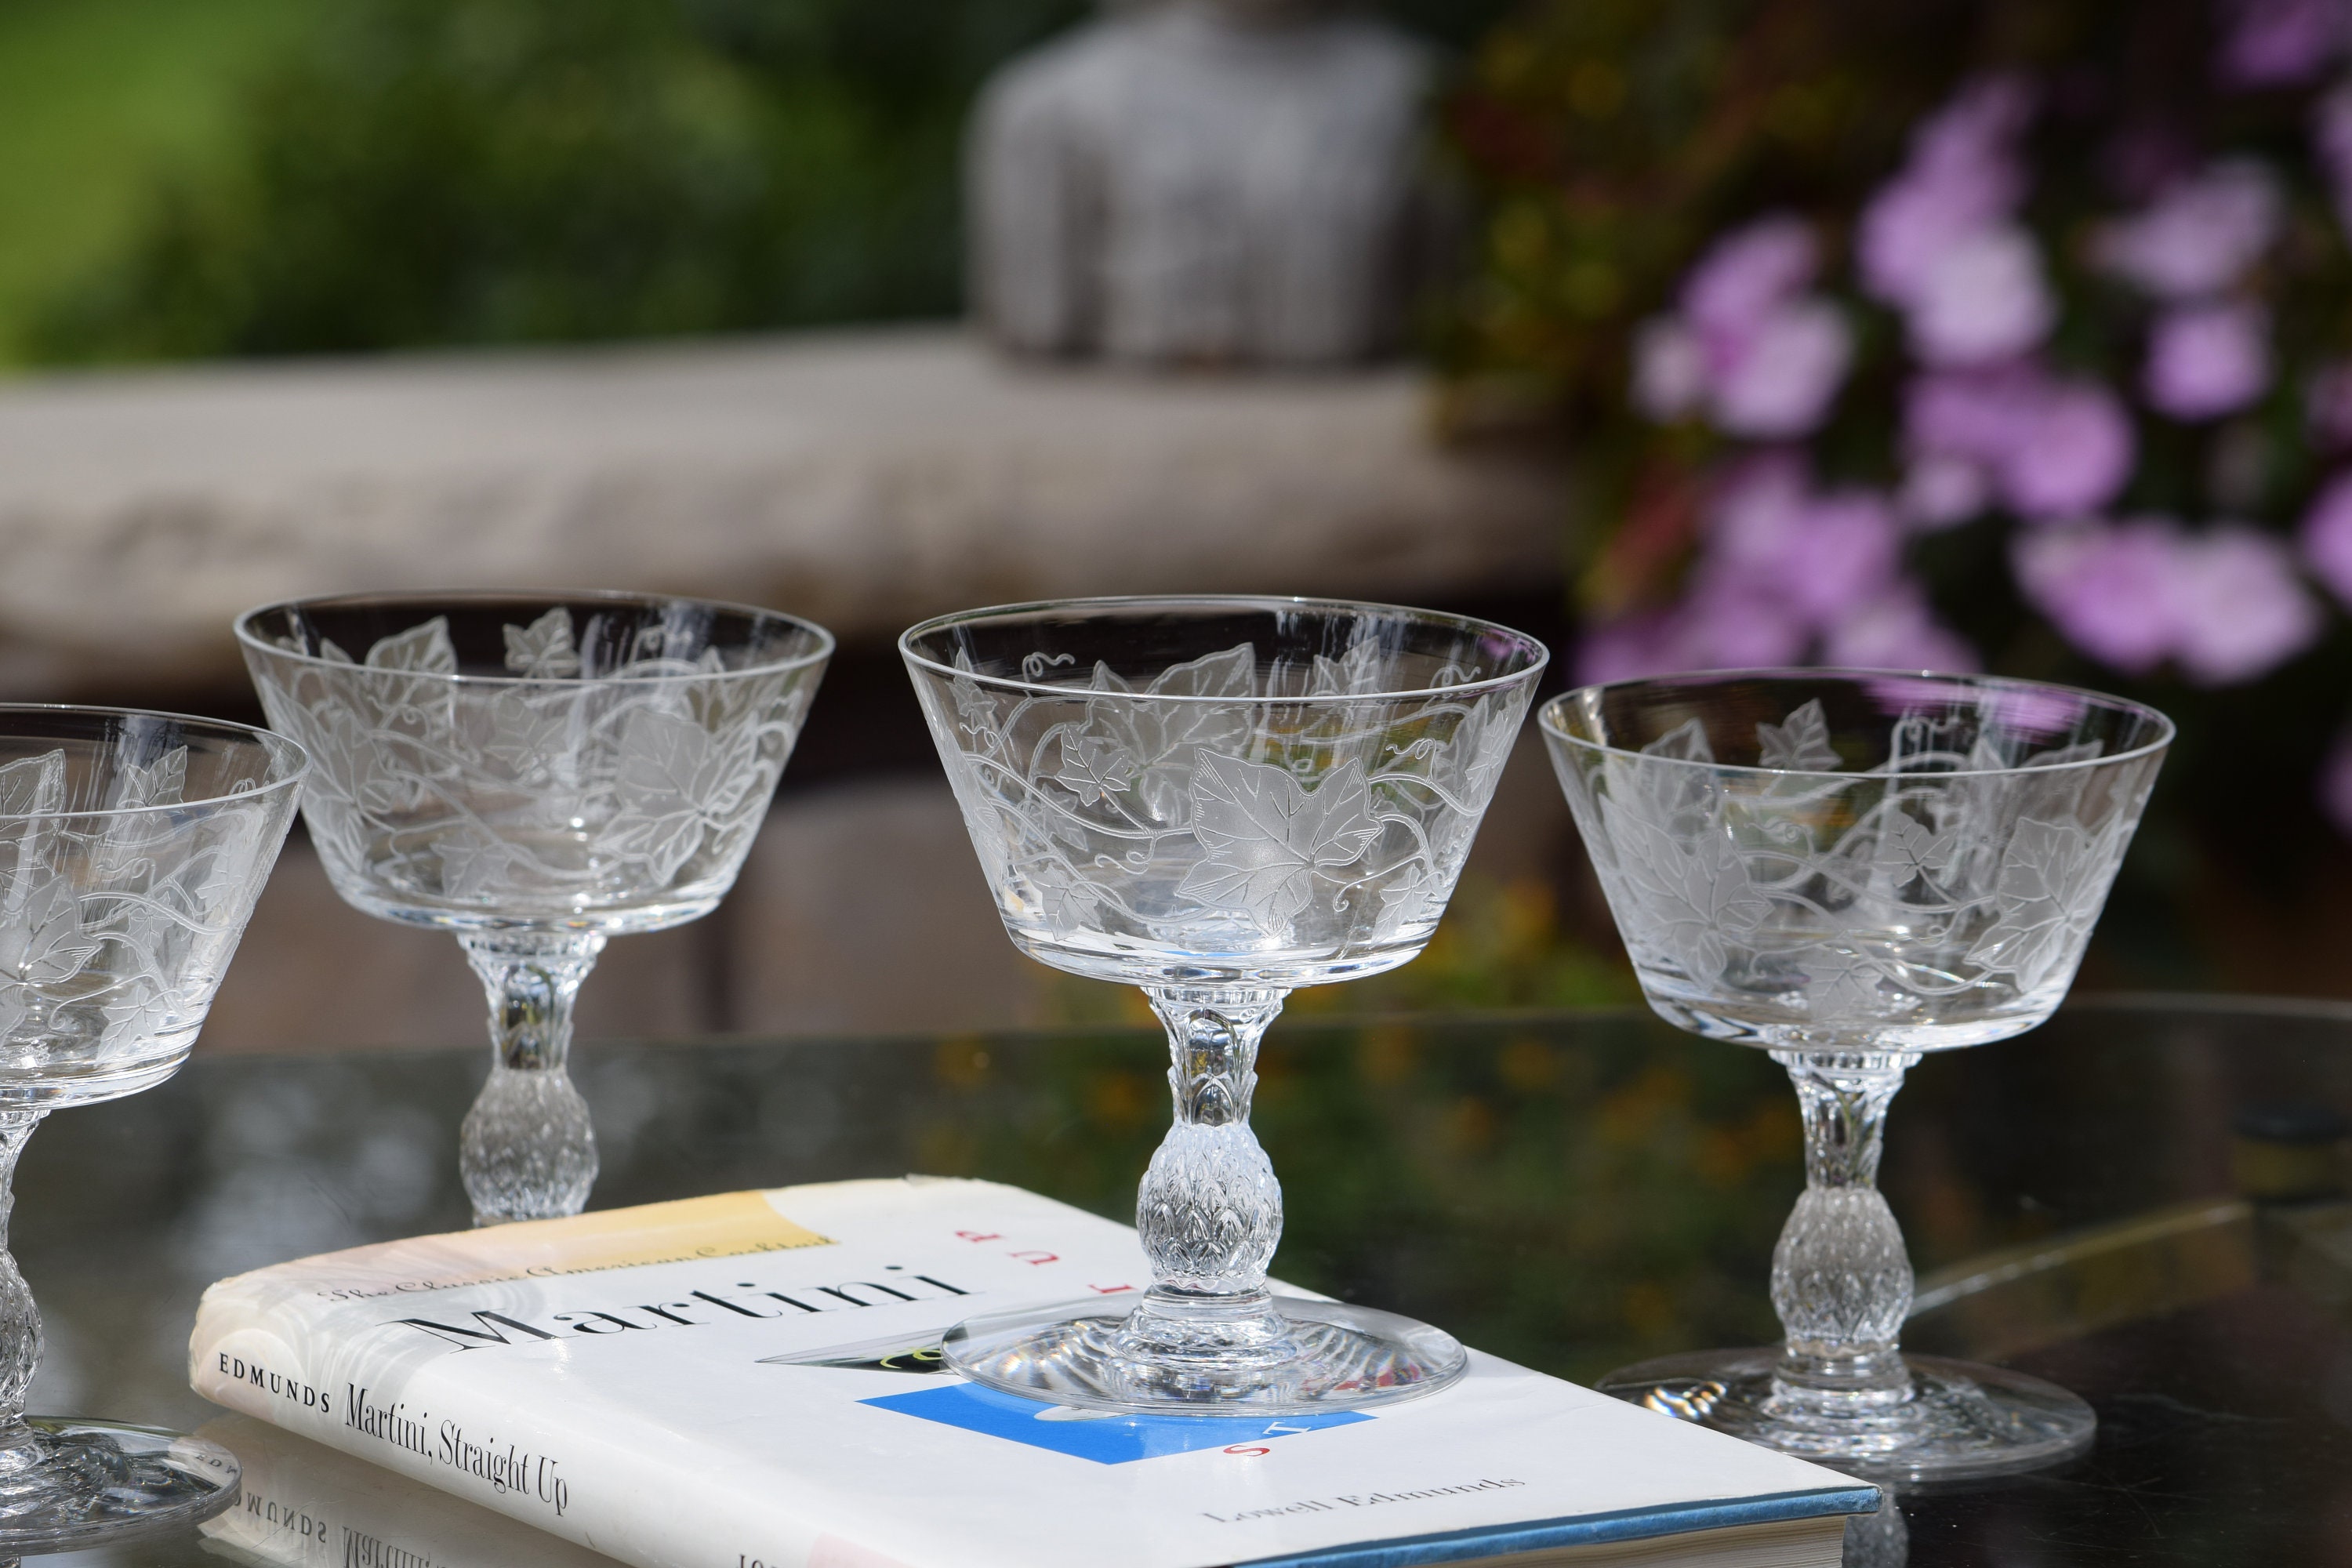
1533	671
2166	729
269	741
550	598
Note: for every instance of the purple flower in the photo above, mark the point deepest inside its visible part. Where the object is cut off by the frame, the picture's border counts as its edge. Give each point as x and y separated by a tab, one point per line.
1731	625
2072	455
2226	604
1782	565
1722	627
2239	611
1896	630
2108	588
1962	177
1984	298
2331	138
1843	551
2335	783
2208	360
1670	376
2276	43
1941	491
1630	649
1751	512
1748	272
2200	235
1817	556
1781	380
1747	349
1976	414
2327	536
2052	448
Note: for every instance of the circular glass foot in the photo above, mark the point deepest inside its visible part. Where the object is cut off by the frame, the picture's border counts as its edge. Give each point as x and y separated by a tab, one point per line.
93	1481
1958	1419
1277	1355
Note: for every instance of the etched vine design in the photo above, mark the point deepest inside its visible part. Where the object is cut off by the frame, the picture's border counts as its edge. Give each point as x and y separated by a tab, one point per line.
115	923
1866	891
566	783
1297	804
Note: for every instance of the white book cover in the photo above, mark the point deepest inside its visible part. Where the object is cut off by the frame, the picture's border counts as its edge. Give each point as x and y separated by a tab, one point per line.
743	1382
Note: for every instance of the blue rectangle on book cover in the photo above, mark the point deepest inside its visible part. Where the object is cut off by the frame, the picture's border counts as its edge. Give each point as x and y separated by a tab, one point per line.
1105	1438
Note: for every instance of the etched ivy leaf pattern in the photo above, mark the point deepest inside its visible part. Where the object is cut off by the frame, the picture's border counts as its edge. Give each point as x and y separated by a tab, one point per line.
1157	738
1266	838
1801	744
161	782
43	941
543	649
425	648
1945	894
32	786
2053	880
1259	799
474	864
1692	892
550	790
668	768
1094	769
1842	983
120	900
1354	673
1916	850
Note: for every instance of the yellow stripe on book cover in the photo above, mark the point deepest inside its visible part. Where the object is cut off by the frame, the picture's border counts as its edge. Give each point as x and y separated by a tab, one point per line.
727	1225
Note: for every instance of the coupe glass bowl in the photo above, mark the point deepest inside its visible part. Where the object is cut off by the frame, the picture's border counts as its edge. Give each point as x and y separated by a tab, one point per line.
1848	868
536	773
132	846
1219	800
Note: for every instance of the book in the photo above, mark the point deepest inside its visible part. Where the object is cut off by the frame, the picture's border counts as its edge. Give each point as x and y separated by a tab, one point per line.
302	1505
751	1380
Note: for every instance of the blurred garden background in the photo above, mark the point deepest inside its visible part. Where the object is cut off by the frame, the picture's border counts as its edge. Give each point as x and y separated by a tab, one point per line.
2006	335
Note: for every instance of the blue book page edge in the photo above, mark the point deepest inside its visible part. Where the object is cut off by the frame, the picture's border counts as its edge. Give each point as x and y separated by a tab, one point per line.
1591	1529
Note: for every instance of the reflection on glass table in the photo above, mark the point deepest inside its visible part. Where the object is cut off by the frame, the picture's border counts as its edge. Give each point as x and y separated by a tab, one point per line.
2143	1202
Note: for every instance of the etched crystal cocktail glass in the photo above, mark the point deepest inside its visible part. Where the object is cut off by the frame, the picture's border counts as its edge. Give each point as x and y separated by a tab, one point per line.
1849	869
536	773
132	846
1219	800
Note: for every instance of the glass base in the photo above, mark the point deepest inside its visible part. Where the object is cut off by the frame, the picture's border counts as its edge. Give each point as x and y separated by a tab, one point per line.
1255	1355
1959	1419
97	1481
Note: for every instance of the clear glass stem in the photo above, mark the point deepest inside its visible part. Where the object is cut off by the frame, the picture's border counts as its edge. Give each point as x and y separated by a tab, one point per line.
526	1149
1209	1211
20	1321
1840	1279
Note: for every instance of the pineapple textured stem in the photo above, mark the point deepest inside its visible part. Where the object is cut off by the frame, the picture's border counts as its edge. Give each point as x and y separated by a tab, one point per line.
1841	1279
528	1150
20	1320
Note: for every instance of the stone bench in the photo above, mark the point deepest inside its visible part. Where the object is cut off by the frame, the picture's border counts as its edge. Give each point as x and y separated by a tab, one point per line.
863	479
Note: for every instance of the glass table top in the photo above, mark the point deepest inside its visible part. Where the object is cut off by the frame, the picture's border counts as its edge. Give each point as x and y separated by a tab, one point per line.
2144	1201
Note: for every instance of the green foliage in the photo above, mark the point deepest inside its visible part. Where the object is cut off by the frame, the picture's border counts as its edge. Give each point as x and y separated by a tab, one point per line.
499	171
95	97
1612	138
478	171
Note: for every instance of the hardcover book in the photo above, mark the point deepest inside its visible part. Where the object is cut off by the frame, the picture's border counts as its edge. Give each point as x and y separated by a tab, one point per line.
751	1380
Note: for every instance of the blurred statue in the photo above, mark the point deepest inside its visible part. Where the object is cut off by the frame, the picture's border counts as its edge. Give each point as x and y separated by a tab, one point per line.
1203	180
